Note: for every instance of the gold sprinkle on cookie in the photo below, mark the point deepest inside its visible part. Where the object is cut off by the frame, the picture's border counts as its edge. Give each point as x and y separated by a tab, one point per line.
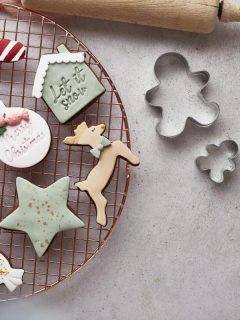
42	224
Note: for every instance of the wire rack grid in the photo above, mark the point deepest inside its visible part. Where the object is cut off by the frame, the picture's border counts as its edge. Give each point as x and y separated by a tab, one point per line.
69	250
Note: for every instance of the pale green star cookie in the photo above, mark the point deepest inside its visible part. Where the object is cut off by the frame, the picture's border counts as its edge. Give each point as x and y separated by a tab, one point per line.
42	213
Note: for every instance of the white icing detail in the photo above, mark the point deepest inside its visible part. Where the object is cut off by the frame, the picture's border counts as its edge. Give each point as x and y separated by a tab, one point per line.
26	144
12	278
18	55
52	59
2	108
7	50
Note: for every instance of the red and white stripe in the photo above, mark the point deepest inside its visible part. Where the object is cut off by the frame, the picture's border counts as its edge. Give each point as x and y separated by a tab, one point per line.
11	51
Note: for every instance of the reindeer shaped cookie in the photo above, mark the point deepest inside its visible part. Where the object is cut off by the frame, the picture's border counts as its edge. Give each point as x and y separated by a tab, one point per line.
107	153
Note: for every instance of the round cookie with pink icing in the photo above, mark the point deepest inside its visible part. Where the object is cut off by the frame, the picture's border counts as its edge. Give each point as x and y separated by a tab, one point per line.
25	137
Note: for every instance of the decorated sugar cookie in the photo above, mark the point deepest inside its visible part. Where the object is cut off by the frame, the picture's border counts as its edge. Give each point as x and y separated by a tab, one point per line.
25	137
107	153
65	83
12	278
42	213
11	51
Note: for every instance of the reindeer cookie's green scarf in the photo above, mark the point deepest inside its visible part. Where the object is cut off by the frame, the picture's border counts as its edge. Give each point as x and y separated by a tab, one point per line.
96	152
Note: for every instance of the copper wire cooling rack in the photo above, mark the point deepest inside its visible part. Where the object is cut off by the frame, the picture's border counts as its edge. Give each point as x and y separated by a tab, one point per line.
70	250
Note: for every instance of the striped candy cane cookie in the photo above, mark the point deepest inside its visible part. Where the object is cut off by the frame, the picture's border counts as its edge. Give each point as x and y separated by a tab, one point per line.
11	51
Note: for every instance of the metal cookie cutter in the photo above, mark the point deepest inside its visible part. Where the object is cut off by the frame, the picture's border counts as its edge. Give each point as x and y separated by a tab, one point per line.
219	159
179	95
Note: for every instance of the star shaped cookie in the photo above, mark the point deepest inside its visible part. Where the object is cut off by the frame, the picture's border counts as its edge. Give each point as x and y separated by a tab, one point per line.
42	213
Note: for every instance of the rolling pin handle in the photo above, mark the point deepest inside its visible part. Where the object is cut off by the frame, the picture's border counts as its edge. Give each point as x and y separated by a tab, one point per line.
191	15
229	11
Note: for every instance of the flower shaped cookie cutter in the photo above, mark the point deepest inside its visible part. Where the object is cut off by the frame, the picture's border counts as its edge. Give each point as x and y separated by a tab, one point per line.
219	160
180	96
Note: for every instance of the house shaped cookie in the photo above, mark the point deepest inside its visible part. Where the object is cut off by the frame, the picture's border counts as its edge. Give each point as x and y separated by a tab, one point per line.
66	83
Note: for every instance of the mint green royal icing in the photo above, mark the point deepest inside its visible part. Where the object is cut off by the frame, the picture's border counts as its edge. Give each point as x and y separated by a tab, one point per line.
42	213
69	87
96	152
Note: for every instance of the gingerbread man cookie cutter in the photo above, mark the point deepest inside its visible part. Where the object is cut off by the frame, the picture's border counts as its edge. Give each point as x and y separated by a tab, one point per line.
180	96
218	160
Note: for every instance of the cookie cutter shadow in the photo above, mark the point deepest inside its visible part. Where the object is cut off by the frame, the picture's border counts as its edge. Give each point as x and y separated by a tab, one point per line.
170	66
219	160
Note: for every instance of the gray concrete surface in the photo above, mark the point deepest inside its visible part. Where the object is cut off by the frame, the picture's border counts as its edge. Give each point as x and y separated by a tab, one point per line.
175	254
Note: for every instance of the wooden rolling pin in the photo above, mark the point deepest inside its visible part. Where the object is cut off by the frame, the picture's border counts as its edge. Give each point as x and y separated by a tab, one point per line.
189	15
